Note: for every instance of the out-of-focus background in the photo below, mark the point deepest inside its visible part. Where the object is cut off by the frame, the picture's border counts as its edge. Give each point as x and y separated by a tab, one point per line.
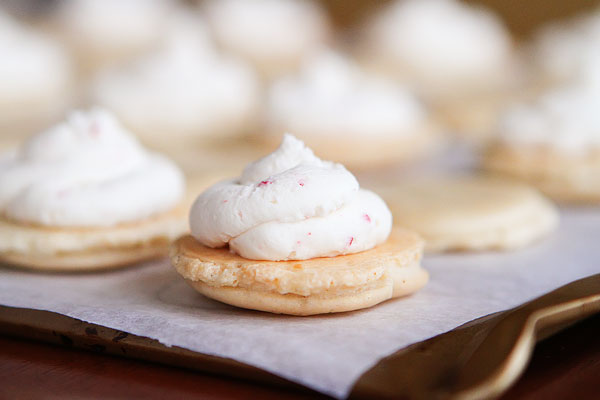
521	17
215	83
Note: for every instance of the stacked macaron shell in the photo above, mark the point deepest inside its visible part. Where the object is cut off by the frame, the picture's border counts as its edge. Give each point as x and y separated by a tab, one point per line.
553	140
553	143
326	242
84	195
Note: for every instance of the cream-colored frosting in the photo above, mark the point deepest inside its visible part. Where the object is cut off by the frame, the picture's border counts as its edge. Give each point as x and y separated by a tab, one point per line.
113	28
441	44
290	205
272	34
31	66
185	88
332	96
86	171
565	118
564	50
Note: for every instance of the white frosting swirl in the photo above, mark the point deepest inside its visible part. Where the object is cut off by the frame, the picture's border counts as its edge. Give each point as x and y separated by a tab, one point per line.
290	205
441	43
332	96
185	88
32	65
564	50
566	118
272	34
113	27
87	171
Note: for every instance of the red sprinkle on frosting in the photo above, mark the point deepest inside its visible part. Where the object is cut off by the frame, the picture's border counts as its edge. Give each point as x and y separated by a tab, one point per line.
350	241
301	182
367	218
264	183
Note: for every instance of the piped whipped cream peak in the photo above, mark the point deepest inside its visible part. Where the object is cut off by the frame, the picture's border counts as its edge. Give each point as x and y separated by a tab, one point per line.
270	33
565	118
201	91
332	96
86	172
109	24
31	62
441	41
564	50
290	205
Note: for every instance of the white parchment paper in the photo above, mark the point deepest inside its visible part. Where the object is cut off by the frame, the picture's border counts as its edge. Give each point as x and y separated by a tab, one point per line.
326	353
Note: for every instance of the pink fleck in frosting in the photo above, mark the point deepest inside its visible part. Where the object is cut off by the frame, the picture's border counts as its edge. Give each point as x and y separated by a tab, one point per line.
86	171
286	220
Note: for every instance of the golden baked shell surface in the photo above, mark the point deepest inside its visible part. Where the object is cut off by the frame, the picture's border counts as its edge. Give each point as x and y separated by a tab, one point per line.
56	248
304	287
565	177
470	212
222	268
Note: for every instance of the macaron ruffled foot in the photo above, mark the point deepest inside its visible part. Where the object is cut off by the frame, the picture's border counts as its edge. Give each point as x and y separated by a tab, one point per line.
553	142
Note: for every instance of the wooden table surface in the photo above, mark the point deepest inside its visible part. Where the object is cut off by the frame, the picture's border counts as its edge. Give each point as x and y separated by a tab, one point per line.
565	366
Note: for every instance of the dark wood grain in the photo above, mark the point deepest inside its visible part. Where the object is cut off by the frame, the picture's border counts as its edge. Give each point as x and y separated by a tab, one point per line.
565	366
32	370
